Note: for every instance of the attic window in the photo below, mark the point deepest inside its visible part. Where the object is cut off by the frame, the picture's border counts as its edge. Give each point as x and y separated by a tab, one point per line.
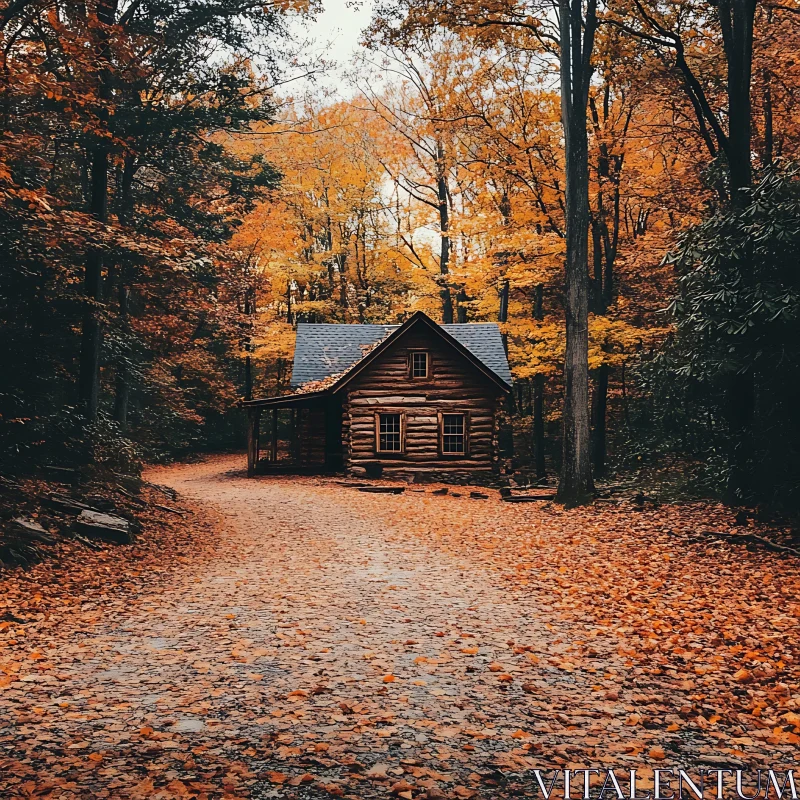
419	365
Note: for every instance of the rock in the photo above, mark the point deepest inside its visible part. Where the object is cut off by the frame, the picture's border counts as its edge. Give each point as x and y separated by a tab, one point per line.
440	491
32	530
382	489
66	505
99	502
478	496
107	527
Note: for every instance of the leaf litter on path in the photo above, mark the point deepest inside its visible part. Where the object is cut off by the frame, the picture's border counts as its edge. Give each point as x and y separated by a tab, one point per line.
296	639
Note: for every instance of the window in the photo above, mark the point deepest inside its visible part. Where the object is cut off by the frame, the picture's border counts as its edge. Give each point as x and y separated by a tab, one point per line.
453	429
389	433
419	365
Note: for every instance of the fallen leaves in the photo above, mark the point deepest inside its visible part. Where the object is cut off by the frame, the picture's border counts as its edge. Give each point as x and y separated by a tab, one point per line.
491	643
743	676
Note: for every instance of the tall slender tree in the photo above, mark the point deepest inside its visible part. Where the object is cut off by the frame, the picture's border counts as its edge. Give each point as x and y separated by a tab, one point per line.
577	30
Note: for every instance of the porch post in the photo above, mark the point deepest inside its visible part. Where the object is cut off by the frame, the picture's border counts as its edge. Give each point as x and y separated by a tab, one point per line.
253	416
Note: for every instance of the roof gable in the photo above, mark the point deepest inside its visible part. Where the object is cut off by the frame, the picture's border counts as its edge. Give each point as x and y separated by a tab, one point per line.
328	356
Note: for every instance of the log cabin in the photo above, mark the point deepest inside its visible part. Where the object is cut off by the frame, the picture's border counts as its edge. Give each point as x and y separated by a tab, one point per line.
417	401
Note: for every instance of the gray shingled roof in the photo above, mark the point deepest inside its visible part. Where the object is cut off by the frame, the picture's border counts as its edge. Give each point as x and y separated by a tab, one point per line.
322	350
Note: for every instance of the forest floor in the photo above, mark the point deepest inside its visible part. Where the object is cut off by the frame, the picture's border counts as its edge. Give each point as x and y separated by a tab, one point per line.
294	637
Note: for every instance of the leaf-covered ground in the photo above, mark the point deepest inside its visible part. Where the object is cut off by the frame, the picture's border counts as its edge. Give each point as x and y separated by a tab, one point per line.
298	638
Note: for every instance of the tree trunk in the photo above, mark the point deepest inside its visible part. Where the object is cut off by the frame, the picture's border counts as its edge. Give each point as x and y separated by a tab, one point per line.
538	425
576	43
504	289
122	385
443	197
447	306
461	306
736	22
538	393
91	334
767	156
599	406
122	380
597	262
249	311
248	378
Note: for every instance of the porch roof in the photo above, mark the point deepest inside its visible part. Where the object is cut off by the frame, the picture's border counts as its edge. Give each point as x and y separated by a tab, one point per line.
296	400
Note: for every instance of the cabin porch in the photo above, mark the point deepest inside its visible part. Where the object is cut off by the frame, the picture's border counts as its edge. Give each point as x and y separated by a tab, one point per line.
296	434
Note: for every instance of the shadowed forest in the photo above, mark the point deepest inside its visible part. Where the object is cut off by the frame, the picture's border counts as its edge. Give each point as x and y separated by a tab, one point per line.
616	184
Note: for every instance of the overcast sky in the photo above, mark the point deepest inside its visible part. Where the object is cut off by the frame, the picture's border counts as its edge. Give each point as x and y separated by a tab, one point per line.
335	34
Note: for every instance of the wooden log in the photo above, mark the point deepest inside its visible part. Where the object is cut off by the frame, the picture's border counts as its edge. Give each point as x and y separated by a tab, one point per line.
527	498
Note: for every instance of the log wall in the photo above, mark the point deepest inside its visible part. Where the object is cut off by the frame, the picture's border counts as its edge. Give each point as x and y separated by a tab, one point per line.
453	386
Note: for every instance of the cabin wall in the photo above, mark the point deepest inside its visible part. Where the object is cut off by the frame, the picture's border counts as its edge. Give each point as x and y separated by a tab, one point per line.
453	386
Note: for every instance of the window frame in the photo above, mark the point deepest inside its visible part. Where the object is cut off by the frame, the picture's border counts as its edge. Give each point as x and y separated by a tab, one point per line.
411	375
377	443
466	416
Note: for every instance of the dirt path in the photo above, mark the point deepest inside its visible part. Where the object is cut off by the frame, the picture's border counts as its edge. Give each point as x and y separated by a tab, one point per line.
333	642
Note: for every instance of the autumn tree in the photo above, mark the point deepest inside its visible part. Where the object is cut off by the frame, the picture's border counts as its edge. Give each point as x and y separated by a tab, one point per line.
116	138
724	122
415	104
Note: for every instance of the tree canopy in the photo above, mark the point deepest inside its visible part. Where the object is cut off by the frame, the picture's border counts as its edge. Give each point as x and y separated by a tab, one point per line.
168	215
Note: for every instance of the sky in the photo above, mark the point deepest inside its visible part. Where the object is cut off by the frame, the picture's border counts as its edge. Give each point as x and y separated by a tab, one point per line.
335	34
